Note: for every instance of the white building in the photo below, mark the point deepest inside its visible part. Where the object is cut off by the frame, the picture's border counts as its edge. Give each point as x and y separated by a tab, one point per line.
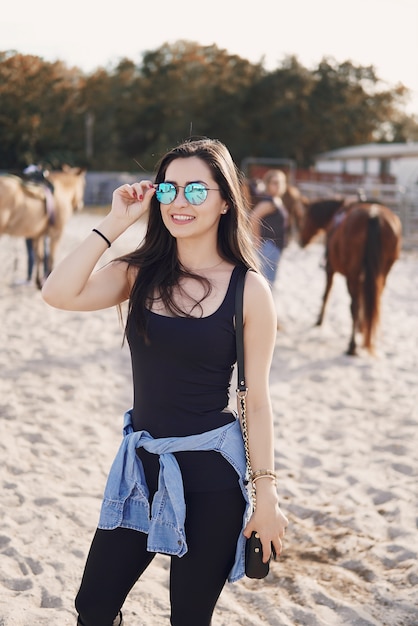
373	160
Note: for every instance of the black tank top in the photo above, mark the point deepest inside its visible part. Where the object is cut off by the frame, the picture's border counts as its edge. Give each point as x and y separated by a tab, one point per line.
181	384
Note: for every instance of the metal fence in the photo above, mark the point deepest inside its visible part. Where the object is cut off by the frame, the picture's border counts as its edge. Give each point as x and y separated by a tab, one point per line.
100	185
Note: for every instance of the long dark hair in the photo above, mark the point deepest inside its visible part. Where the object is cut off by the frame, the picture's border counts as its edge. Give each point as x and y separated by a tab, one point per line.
159	269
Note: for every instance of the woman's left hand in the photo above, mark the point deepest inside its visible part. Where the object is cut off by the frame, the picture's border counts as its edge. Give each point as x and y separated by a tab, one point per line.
268	520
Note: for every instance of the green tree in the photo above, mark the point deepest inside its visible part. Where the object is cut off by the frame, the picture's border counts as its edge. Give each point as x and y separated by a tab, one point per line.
403	127
186	89
346	106
126	117
278	111
100	118
39	111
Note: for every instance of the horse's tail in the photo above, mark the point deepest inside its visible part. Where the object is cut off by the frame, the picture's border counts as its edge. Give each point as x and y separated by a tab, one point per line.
373	279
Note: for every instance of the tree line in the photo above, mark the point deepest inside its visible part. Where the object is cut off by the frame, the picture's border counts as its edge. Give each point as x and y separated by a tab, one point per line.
123	118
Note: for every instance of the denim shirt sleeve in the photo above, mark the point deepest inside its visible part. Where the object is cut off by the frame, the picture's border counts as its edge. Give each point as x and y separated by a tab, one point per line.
125	502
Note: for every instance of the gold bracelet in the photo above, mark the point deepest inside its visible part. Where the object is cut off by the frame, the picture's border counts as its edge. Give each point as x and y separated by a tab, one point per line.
262	472
254	480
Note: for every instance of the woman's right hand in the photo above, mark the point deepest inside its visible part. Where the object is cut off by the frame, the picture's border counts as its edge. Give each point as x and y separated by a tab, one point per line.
131	202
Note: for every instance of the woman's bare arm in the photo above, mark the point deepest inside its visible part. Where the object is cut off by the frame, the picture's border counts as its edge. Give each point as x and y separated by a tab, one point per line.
260	326
73	284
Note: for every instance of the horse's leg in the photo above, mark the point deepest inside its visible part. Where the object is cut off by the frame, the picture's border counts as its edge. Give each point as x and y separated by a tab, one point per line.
47	256
39	260
31	258
354	291
330	276
52	246
42	260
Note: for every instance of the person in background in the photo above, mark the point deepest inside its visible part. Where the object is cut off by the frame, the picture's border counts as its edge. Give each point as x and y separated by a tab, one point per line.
270	221
177	482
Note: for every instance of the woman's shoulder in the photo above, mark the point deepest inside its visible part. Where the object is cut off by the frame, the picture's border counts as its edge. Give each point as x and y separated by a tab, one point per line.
259	307
256	286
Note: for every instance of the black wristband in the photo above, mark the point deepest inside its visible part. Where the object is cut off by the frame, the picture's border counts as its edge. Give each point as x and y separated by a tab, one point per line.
102	236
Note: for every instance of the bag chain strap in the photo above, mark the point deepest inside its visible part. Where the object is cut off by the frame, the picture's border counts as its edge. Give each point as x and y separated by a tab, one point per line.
242	389
243	407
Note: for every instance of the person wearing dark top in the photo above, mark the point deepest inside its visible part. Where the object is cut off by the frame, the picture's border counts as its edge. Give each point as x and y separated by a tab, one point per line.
270	221
182	458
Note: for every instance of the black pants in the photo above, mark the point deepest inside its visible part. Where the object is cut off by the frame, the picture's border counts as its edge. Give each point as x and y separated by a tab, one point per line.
117	558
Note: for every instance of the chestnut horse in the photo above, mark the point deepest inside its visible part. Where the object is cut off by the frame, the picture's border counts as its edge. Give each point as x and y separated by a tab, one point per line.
363	240
23	211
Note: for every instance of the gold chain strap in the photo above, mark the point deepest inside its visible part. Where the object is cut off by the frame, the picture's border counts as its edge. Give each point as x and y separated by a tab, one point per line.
242	403
241	387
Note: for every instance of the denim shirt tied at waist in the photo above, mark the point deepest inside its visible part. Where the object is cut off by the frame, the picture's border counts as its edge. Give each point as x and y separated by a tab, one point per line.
125	501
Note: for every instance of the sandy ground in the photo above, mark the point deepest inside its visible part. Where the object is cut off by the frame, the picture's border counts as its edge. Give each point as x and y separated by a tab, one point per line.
346	452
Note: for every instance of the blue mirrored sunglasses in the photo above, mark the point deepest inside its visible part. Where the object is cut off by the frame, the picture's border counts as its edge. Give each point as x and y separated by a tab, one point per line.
195	193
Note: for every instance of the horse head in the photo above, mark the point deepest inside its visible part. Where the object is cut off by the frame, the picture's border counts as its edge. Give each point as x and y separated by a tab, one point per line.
318	217
77	175
69	186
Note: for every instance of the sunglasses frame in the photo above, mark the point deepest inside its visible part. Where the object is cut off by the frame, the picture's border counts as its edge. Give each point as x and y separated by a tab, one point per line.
177	187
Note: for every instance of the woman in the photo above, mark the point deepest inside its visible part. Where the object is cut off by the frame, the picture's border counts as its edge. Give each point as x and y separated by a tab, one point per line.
269	220
182	443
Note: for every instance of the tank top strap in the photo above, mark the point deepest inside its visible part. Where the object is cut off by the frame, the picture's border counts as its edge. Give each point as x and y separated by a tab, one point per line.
228	304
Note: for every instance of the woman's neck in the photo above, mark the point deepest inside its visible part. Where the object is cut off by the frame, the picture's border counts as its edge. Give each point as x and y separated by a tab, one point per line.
198	259
203	268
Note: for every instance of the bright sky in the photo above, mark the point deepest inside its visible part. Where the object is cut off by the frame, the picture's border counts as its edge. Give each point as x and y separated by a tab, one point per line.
383	33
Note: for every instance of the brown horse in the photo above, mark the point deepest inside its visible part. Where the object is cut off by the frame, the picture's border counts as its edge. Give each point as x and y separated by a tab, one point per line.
363	240
23	211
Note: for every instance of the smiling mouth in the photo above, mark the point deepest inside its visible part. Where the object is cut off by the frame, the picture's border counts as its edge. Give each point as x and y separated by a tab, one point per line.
182	218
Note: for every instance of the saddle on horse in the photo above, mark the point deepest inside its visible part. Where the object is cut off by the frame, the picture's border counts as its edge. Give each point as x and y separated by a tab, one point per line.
37	185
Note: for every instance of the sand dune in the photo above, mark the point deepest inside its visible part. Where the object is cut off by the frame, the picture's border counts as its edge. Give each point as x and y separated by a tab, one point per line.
346	452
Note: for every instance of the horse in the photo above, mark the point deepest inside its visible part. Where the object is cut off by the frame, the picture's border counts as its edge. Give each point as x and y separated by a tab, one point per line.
24	211
362	242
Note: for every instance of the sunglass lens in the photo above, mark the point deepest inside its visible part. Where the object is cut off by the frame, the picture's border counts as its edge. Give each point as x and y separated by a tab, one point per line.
166	192
195	193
